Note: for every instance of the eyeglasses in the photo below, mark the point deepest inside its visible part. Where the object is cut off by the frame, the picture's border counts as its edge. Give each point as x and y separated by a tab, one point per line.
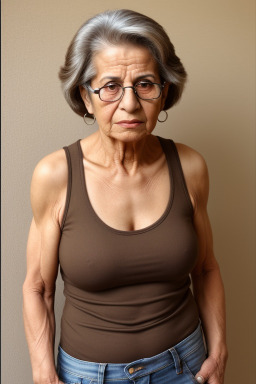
144	90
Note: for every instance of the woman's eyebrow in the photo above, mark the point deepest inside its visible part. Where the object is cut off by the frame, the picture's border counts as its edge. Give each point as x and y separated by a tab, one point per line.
117	78
114	78
145	76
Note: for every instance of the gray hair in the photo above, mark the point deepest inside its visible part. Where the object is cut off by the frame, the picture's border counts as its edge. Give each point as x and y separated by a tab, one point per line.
114	28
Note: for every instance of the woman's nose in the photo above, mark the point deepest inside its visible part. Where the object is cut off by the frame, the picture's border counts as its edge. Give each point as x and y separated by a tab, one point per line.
129	101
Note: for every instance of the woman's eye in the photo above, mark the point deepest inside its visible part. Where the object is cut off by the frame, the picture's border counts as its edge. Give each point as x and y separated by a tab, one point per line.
112	87
144	85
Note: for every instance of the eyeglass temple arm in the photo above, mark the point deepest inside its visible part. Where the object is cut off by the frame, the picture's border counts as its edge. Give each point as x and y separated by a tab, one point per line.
97	90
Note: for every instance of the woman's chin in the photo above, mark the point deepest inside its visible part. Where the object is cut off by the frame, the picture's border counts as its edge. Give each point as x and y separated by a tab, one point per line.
129	135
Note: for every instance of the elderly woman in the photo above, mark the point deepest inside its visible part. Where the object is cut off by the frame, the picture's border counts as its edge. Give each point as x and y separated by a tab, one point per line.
124	213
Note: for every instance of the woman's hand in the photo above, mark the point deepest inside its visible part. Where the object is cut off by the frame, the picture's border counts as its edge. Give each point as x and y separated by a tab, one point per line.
212	370
56	381
52	380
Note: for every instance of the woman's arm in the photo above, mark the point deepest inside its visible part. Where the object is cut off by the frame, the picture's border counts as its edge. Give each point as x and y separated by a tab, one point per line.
206	278
42	269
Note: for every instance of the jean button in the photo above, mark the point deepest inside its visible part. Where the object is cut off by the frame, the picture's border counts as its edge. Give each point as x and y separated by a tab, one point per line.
131	370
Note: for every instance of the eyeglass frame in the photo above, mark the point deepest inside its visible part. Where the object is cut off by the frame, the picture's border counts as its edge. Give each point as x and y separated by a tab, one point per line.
97	91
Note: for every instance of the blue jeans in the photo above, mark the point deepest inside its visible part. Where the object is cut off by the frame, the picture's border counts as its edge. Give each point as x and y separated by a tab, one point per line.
177	365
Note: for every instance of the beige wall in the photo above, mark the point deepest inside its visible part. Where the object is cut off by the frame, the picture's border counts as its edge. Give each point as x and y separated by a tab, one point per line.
215	40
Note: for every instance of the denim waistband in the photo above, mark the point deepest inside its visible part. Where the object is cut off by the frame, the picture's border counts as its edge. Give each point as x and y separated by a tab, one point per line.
134	369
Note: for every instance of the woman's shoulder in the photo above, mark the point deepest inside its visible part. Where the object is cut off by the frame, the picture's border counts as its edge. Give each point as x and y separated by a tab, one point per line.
195	170
190	157
49	182
51	170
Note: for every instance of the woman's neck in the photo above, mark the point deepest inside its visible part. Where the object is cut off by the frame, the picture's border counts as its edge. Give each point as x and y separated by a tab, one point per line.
125	157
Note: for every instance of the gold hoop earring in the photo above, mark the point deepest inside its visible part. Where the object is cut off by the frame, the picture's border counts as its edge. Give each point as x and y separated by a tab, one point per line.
165	118
89	119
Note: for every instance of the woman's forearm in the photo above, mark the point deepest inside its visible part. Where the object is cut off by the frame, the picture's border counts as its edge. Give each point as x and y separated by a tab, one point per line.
210	297
39	322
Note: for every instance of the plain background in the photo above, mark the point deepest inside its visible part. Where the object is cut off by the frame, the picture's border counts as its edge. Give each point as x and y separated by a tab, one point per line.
216	42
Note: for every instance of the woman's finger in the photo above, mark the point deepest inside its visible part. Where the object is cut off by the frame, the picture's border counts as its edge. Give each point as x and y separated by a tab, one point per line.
208	368
200	379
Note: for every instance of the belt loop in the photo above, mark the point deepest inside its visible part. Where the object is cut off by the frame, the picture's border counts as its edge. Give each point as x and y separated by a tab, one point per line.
101	372
177	362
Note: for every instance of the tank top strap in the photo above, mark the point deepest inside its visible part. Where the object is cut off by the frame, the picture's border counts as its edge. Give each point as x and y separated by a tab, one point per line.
177	176
74	186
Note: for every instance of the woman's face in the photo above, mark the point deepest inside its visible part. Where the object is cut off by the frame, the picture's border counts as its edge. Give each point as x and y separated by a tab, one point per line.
128	119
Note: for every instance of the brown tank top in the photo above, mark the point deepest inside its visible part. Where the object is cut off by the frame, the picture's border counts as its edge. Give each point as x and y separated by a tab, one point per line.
127	292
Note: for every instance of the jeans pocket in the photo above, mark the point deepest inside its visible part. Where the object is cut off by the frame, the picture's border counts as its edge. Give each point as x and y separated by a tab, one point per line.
192	362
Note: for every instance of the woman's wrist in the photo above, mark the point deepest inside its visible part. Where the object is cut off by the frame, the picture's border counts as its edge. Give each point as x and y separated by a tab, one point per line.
45	376
48	379
219	354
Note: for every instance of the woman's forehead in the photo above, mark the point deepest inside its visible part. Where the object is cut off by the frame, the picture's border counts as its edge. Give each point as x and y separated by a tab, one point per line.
124	60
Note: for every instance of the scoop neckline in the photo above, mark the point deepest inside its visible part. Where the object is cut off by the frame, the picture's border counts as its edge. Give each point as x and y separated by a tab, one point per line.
136	231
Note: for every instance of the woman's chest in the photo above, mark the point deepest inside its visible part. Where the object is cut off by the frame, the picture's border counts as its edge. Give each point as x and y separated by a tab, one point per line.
129	203
93	257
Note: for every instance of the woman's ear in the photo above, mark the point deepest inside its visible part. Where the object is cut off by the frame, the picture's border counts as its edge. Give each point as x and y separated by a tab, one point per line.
86	99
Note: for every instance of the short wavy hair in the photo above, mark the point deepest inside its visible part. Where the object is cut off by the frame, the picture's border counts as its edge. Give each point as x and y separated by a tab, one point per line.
114	28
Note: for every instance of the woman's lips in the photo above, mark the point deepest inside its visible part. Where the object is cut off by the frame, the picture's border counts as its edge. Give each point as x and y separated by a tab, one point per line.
130	123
